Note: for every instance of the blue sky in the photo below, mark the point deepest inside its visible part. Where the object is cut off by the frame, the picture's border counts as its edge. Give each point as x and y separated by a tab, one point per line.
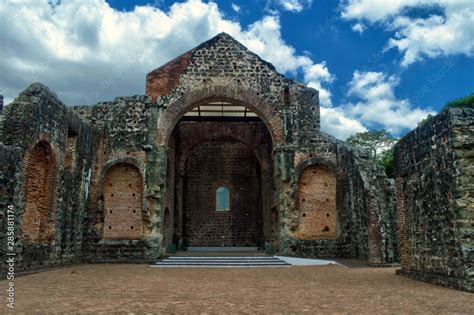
377	63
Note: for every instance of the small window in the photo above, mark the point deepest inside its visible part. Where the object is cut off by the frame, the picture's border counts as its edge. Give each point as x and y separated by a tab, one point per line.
222	199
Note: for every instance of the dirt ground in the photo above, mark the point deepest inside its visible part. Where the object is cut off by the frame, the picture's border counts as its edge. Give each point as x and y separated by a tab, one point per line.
313	289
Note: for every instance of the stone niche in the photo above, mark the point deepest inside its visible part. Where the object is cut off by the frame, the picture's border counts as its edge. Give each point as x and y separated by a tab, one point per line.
317	204
123	190
37	221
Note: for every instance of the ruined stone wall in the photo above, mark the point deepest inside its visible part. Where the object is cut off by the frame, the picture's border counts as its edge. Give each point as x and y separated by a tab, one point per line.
222	69
137	131
49	198
434	168
364	198
9	173
123	137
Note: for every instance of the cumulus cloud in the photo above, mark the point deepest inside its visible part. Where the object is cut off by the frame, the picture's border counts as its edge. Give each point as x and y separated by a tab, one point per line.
295	5
377	104
87	51
448	32
359	28
235	7
335	121
315	76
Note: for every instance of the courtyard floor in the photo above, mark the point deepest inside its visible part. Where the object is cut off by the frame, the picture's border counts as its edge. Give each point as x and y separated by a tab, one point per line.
139	289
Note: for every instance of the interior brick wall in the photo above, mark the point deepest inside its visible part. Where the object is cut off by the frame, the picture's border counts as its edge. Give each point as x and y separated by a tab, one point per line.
38	219
215	163
123	189
317	204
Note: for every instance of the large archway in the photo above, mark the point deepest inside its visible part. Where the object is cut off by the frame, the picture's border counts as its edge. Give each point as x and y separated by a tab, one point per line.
178	108
219	177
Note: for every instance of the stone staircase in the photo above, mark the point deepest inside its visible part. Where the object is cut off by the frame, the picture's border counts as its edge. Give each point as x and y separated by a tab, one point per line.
221	262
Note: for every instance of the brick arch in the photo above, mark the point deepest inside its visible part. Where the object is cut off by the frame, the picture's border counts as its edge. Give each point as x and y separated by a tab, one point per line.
122	188
121	160
316	202
38	219
176	110
316	160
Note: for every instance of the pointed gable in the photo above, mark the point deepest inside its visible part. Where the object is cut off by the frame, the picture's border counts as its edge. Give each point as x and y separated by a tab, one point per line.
221	56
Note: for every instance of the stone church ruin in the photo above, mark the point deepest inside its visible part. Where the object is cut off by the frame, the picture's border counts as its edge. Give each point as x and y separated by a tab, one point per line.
223	151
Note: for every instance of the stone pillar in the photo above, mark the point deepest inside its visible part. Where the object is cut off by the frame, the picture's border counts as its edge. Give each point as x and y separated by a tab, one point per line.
178	215
155	190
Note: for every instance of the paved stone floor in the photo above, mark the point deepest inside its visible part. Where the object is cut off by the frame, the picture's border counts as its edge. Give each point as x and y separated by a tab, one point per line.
313	289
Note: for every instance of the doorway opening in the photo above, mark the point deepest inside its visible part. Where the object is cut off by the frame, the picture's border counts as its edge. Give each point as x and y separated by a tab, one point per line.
219	178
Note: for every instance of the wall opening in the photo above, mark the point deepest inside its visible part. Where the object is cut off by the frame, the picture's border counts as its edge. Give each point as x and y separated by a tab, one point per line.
123	189
38	221
222	199
221	191
70	157
317	204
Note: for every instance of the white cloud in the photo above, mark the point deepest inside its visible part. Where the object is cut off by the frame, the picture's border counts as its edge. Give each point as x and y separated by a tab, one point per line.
359	27
235	7
334	121
87	51
315	76
447	33
295	5
377	104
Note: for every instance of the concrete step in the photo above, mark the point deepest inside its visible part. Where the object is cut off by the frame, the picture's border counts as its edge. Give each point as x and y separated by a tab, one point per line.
231	261
222	258
221	249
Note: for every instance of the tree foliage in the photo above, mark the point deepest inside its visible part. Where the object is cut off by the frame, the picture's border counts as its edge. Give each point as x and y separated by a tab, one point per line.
464	102
380	143
425	120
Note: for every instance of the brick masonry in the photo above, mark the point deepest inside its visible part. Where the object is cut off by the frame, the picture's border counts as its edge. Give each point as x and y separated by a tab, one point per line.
317	204
123	190
37	221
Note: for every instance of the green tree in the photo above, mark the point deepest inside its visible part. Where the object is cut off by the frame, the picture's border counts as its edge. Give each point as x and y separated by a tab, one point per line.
464	102
425	120
380	143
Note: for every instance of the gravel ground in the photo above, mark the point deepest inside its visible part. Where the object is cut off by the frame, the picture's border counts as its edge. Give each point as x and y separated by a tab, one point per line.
139	289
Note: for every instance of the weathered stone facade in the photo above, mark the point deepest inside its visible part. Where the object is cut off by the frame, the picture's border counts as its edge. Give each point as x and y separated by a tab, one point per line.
48	198
129	178
435	200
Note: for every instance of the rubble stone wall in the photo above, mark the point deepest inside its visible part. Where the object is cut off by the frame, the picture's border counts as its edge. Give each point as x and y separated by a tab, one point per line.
49	199
435	193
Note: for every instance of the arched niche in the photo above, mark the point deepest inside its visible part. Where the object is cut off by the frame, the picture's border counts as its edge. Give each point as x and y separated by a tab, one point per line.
38	220
123	192
317	214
